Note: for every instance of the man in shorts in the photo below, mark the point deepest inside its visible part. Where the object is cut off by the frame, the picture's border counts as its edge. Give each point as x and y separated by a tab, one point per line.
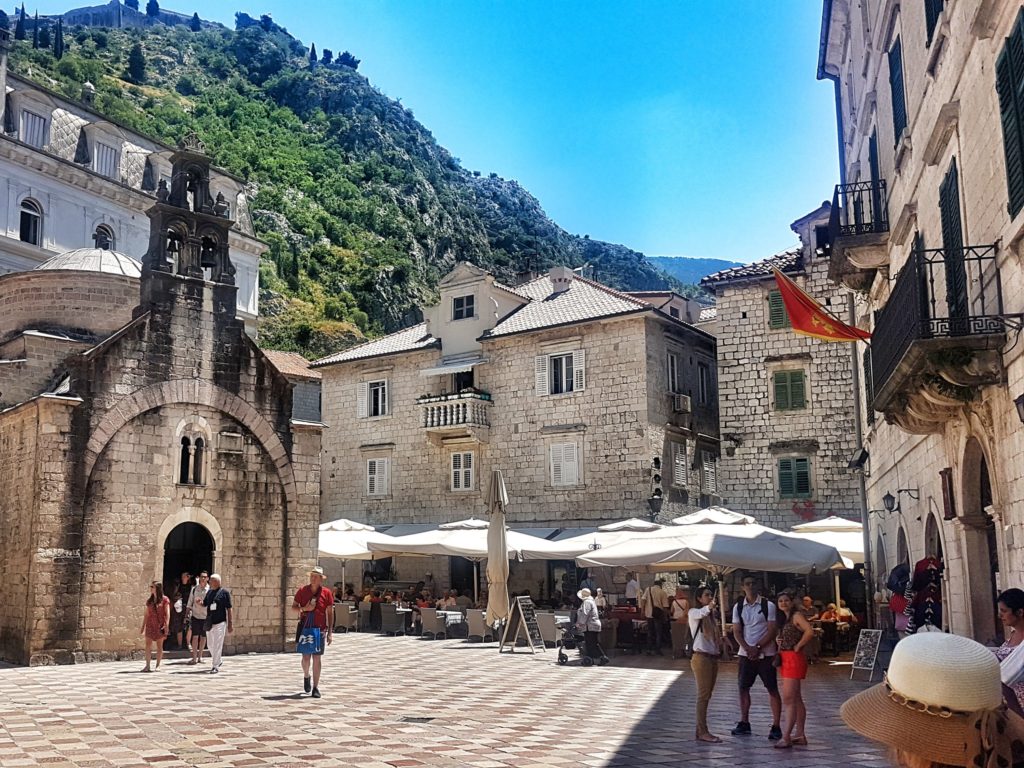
315	606
196	613
754	627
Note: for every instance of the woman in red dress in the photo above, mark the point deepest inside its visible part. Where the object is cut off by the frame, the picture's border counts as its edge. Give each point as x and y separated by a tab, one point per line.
155	623
795	632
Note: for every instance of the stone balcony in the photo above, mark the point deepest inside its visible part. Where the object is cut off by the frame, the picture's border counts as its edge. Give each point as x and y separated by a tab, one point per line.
858	233
938	338
461	414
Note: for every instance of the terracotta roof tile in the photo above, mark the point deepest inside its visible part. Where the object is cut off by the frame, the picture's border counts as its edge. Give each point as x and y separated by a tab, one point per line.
406	340
291	364
787	261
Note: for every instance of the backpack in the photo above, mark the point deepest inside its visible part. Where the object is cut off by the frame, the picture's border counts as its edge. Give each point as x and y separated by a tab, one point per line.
738	609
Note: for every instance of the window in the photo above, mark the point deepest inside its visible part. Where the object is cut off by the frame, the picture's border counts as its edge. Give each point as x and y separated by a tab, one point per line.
186	461
680	470
104	237
31	222
957	301
33	129
821	237
790	391
674	312
794	478
565	467
869	388
777	315
674	378
1010	87
105	160
462	380
932	9
198	453
192	460
560	373
372	399
708	472
462	471
462	307
897	91
703	383
378	477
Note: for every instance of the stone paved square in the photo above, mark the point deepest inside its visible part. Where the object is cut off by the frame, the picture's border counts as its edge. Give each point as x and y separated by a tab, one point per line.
480	709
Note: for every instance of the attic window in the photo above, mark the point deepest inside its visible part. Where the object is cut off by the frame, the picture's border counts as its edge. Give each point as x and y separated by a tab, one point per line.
229	442
463	307
674	312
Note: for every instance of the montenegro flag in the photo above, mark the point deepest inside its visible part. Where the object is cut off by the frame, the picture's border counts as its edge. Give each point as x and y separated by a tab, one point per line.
809	318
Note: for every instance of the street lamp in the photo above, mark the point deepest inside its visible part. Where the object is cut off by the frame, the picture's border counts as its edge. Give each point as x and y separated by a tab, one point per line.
1019	403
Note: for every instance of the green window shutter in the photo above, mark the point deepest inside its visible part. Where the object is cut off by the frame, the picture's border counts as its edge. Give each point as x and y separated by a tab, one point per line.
897	90
932	9
802	477
797	396
777	316
790	391
1009	87
869	388
786	479
781	390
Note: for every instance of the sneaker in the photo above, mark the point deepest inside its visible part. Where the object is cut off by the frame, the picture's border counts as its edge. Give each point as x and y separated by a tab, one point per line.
215	670
307	684
316	693
774	734
602	661
743	729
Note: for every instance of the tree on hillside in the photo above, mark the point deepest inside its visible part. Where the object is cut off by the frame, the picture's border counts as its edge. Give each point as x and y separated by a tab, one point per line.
327	57
45	40
312	55
267	22
19	27
35	31
137	64
152	9
196	24
348	60
133	4
58	40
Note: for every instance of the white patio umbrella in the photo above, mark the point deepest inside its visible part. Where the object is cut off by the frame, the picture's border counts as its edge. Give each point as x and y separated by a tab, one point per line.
345	525
830	524
497	546
347	542
465	538
846	536
574	546
719	515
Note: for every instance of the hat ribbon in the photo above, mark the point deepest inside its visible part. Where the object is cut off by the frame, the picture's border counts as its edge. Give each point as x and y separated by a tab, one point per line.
989	745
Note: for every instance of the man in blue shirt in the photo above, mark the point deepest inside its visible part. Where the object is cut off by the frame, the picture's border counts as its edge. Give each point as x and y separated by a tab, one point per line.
218	620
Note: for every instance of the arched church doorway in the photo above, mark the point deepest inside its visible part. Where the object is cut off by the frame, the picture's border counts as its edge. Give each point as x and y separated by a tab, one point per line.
902	552
981	546
188	547
932	538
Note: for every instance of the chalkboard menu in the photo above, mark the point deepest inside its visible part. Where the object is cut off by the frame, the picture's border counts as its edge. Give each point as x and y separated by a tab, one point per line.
867	651
522	620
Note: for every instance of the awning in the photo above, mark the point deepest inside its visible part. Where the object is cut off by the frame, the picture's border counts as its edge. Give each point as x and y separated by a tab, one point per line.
457	365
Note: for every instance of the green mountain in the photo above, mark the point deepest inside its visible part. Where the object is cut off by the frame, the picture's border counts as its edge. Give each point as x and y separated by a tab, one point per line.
363	210
690	269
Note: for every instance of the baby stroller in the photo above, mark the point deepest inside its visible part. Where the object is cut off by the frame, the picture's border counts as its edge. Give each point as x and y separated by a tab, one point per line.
571	639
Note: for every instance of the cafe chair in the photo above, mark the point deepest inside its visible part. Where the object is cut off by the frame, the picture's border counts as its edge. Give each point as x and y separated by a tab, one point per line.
829	638
345	619
546	624
433	625
391	621
364	617
477	627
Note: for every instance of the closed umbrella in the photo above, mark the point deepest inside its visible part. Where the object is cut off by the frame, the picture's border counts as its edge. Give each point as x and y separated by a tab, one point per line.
497	549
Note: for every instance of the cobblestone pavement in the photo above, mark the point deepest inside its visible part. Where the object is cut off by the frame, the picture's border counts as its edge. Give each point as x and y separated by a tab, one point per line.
478	709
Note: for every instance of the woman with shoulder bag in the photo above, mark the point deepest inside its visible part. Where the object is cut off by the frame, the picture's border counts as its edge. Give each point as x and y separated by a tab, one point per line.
704	659
155	623
795	632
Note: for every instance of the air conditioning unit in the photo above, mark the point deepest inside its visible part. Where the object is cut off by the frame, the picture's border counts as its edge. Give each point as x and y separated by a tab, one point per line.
681	403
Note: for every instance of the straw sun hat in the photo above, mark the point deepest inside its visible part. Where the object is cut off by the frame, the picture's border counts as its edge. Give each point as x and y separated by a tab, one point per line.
942	700
583	594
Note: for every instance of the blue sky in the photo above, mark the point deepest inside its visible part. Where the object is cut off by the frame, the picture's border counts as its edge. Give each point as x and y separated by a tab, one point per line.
676	127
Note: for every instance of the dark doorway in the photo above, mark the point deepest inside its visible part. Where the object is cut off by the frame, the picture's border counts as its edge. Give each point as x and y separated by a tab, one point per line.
189	547
462	575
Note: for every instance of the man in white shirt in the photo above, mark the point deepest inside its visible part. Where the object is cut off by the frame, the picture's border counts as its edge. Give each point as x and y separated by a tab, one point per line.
196	614
754	627
632	590
654	606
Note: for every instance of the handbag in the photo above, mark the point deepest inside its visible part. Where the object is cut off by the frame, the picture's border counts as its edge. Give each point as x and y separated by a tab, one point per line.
309	640
1011	669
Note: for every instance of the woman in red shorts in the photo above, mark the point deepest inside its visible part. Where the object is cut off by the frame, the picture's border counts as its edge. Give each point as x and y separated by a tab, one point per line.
795	632
155	623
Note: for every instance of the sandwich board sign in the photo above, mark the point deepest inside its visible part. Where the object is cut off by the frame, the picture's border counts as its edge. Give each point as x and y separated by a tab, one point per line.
522	620
867	652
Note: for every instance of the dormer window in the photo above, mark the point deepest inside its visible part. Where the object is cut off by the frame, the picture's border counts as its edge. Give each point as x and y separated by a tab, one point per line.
33	129
463	307
106	160
104	238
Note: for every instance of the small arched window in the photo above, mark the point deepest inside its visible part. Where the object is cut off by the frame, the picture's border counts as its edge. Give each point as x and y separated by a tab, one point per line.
104	238
31	222
186	461
197	461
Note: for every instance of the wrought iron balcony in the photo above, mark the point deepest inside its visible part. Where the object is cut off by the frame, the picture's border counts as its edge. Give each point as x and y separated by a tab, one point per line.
858	232
459	411
938	338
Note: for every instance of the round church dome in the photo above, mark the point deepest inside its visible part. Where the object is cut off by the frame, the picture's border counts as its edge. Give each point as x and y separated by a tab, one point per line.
95	260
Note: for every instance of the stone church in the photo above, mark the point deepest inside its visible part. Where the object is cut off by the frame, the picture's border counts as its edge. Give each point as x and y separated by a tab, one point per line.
135	444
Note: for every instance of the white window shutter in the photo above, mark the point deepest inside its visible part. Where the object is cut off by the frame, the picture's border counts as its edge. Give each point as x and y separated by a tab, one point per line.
709	479
384	484
362	397
556	464
385	409
467	471
579	364
570	464
679	464
456	471
371	477
540	373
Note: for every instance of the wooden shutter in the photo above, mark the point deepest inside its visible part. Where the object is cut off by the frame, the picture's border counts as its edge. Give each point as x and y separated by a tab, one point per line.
802	477
777	316
787	485
556	464
579	364
1009	115
372	478
384	409
953	250
362	398
679	464
456	471
709	472
781	390
932	9
869	388
564	464
797	390
467	471
540	376
897	91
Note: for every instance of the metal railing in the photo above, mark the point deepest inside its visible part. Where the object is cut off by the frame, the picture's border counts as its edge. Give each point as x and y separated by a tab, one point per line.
469	409
860	208
939	293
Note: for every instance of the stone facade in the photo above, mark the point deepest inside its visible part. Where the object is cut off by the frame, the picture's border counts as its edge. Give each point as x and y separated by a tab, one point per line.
757	429
955	451
175	419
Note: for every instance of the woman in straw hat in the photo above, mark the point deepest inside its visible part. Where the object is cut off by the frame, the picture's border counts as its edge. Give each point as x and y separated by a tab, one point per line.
940	705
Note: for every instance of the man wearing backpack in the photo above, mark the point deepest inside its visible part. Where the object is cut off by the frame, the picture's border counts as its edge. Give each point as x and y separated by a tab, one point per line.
654	607
754	627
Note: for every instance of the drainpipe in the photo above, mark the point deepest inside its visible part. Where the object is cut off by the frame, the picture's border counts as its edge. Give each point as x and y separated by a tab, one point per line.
869	568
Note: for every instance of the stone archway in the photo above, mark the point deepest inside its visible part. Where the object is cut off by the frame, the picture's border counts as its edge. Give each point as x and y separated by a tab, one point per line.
933	538
188	515
981	545
902	550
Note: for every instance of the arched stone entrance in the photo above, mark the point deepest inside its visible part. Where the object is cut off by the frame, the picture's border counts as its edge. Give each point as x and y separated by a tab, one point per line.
188	547
981	547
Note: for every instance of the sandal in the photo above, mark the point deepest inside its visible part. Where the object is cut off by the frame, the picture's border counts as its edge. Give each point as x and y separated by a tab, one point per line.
784	744
709	738
799	741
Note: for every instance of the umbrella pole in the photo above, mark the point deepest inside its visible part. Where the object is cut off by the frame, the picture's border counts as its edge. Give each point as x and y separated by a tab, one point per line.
721	603
835	576
476	582
343	577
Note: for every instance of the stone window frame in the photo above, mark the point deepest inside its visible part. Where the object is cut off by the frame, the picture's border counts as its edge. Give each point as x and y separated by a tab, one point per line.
194	434
363	400
563	440
467	311
457	475
378	463
795	495
674	372
679	460
801	362
543	370
107	233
